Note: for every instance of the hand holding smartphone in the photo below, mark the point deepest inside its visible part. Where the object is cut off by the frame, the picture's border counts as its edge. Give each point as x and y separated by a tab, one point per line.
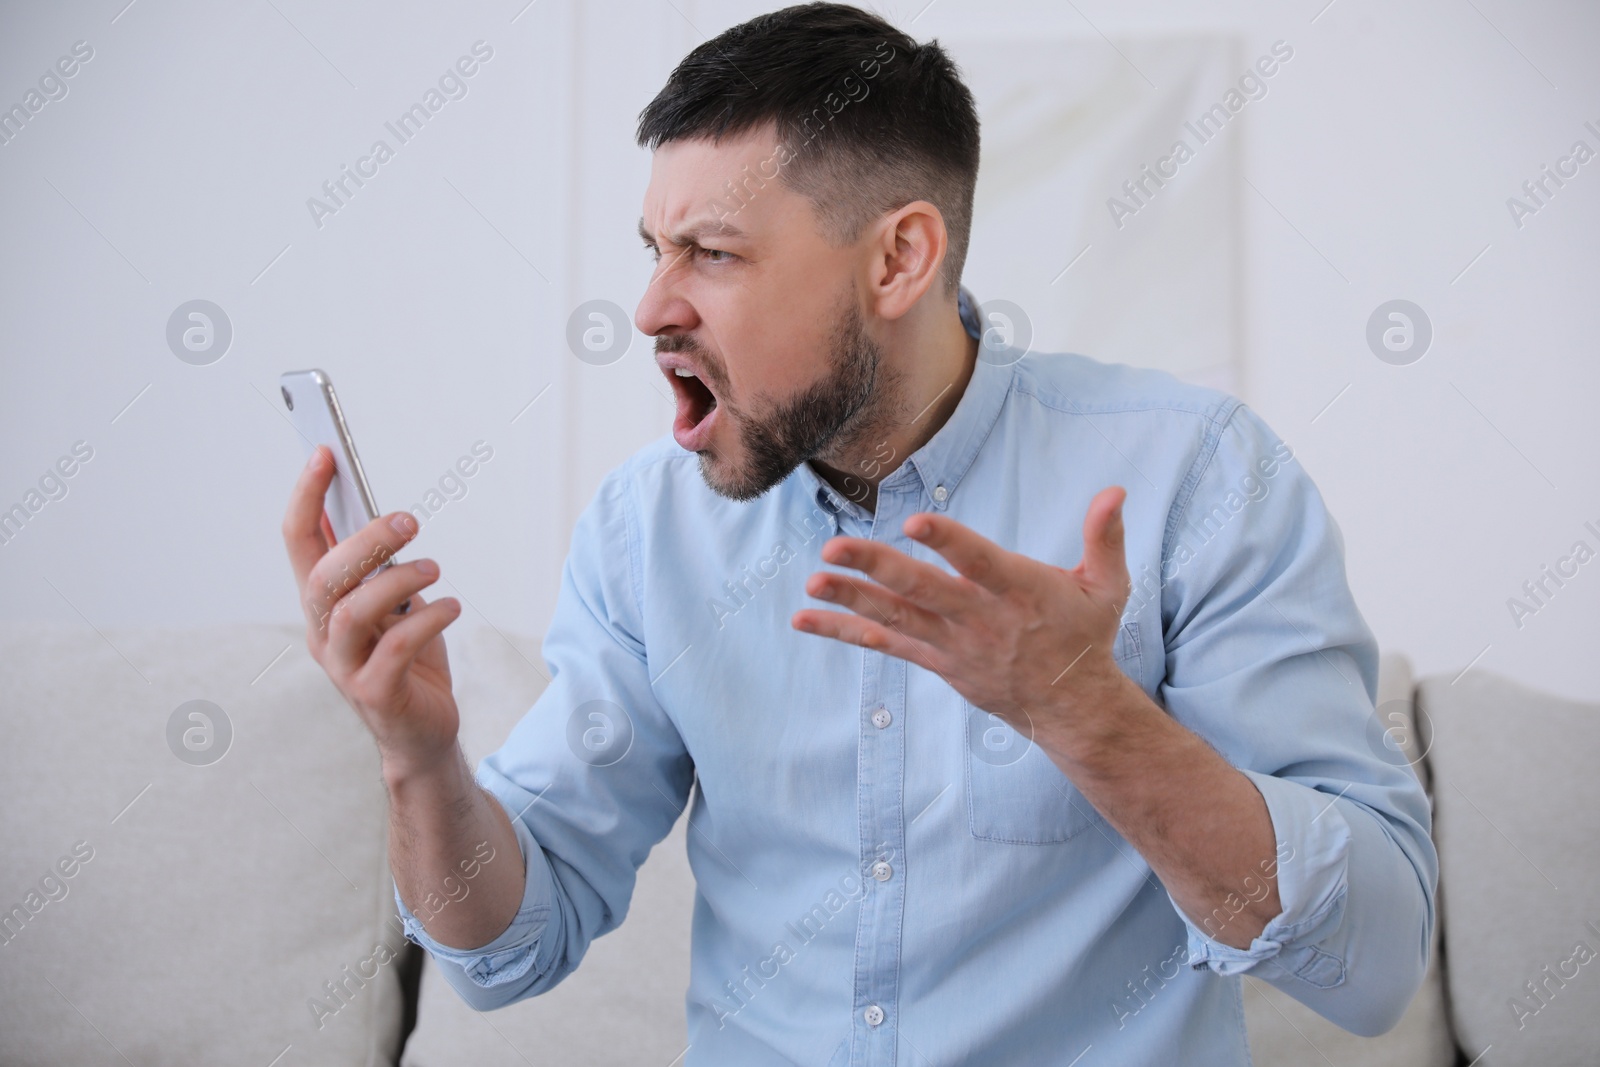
392	668
315	412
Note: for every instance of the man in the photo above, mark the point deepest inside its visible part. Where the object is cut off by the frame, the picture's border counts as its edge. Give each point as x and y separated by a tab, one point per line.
1079	731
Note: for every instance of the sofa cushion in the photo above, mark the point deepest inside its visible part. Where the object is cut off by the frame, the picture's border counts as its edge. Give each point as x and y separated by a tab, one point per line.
1284	1032
211	904
1517	818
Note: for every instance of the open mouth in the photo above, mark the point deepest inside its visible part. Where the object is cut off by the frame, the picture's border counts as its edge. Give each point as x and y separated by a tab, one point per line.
697	408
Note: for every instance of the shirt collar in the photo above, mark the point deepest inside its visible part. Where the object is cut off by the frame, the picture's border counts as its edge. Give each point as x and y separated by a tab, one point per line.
945	458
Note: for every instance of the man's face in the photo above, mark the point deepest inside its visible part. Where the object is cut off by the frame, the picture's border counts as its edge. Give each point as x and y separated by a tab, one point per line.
750	300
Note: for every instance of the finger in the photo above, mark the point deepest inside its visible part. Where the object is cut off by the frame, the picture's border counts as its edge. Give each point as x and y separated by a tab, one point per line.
878	604
855	630
386	668
972	555
359	618
922	584
301	536
327	529
342	567
1105	560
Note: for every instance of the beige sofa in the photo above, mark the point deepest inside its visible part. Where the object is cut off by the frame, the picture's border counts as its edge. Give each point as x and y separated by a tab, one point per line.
214	890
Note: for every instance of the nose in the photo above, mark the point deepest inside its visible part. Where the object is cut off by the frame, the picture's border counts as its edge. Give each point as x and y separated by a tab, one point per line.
663	308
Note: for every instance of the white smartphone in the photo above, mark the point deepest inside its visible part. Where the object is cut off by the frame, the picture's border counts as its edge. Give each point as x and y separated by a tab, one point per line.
315	412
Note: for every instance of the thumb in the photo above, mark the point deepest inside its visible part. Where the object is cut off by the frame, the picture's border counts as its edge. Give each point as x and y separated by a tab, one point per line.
1105	561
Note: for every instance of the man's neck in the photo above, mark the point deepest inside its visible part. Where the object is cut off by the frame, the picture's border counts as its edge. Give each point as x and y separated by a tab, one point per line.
933	386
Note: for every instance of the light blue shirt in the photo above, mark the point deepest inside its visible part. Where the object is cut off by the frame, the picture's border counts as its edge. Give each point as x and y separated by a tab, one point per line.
887	875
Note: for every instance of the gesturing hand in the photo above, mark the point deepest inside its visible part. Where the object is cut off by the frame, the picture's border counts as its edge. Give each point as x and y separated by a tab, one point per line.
1015	636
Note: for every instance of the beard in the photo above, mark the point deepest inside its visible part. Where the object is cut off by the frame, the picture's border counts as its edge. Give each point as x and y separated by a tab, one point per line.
828	420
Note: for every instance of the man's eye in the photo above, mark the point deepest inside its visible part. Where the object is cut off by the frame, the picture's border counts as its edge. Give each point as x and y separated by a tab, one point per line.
709	252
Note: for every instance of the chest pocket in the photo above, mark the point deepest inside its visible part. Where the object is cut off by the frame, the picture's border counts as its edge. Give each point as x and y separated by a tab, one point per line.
1015	794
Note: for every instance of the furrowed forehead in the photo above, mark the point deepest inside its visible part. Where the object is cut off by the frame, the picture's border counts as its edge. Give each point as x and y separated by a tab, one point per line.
700	189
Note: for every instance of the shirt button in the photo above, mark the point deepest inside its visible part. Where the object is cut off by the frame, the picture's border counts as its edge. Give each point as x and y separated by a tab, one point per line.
881	717
941	494
882	871
873	1015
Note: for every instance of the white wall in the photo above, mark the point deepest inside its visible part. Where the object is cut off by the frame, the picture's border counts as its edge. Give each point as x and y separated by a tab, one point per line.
179	164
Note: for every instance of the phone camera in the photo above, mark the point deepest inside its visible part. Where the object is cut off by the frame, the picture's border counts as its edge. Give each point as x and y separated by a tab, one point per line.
287	399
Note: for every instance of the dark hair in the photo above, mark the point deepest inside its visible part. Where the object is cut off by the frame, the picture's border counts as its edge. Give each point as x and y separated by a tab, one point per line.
871	119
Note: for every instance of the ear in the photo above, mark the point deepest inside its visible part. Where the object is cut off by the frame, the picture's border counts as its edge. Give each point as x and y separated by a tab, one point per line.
907	253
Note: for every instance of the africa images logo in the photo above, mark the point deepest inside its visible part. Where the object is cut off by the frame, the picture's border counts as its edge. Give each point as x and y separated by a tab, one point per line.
452	85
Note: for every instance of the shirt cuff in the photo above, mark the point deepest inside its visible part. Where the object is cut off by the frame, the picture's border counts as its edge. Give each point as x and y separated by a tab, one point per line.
1311	865
509	956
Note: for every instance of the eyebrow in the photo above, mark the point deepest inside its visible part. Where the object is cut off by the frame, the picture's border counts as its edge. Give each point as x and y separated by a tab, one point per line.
693	233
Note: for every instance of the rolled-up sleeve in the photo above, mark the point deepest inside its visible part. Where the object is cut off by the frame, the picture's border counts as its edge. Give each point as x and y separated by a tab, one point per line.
1314	844
592	776
509	956
1269	660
